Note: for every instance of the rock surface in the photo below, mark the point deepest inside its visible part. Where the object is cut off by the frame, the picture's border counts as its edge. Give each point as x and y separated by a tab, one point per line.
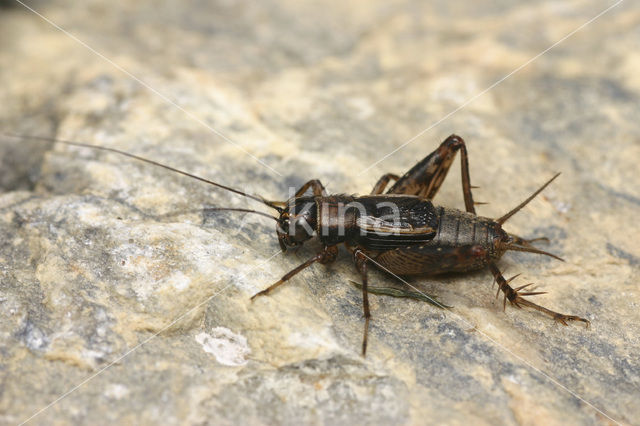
122	303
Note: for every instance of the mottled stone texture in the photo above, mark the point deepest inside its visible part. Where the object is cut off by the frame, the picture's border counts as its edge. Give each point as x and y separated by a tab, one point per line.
109	272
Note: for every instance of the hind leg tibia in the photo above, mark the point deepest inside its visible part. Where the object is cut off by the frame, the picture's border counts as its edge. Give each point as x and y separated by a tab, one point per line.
517	298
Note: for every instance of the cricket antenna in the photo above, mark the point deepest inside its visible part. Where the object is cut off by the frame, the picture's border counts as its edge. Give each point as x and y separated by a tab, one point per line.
504	218
230	209
145	160
218	209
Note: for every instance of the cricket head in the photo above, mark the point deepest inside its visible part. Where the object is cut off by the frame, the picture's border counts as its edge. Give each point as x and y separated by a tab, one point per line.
297	222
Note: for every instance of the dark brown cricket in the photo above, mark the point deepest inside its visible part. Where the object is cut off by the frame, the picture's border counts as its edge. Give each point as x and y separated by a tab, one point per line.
399	231
426	240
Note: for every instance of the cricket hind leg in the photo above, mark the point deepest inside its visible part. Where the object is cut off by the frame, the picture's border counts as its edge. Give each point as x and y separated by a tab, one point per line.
329	254
425	178
516	298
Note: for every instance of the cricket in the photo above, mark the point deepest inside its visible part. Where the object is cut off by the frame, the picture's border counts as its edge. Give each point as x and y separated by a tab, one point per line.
397	230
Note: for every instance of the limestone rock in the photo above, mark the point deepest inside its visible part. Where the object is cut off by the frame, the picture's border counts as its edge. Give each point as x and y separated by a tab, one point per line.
123	302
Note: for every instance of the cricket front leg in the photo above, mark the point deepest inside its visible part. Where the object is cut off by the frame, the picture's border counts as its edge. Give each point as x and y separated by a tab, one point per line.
316	188
361	264
327	255
425	178
516	298
383	182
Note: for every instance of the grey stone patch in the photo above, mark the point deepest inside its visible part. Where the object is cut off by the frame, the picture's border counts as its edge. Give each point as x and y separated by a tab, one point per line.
21	164
330	391
622	254
623	195
32	336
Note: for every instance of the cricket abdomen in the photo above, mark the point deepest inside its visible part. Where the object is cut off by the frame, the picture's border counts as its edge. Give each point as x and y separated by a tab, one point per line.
463	242
459	228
